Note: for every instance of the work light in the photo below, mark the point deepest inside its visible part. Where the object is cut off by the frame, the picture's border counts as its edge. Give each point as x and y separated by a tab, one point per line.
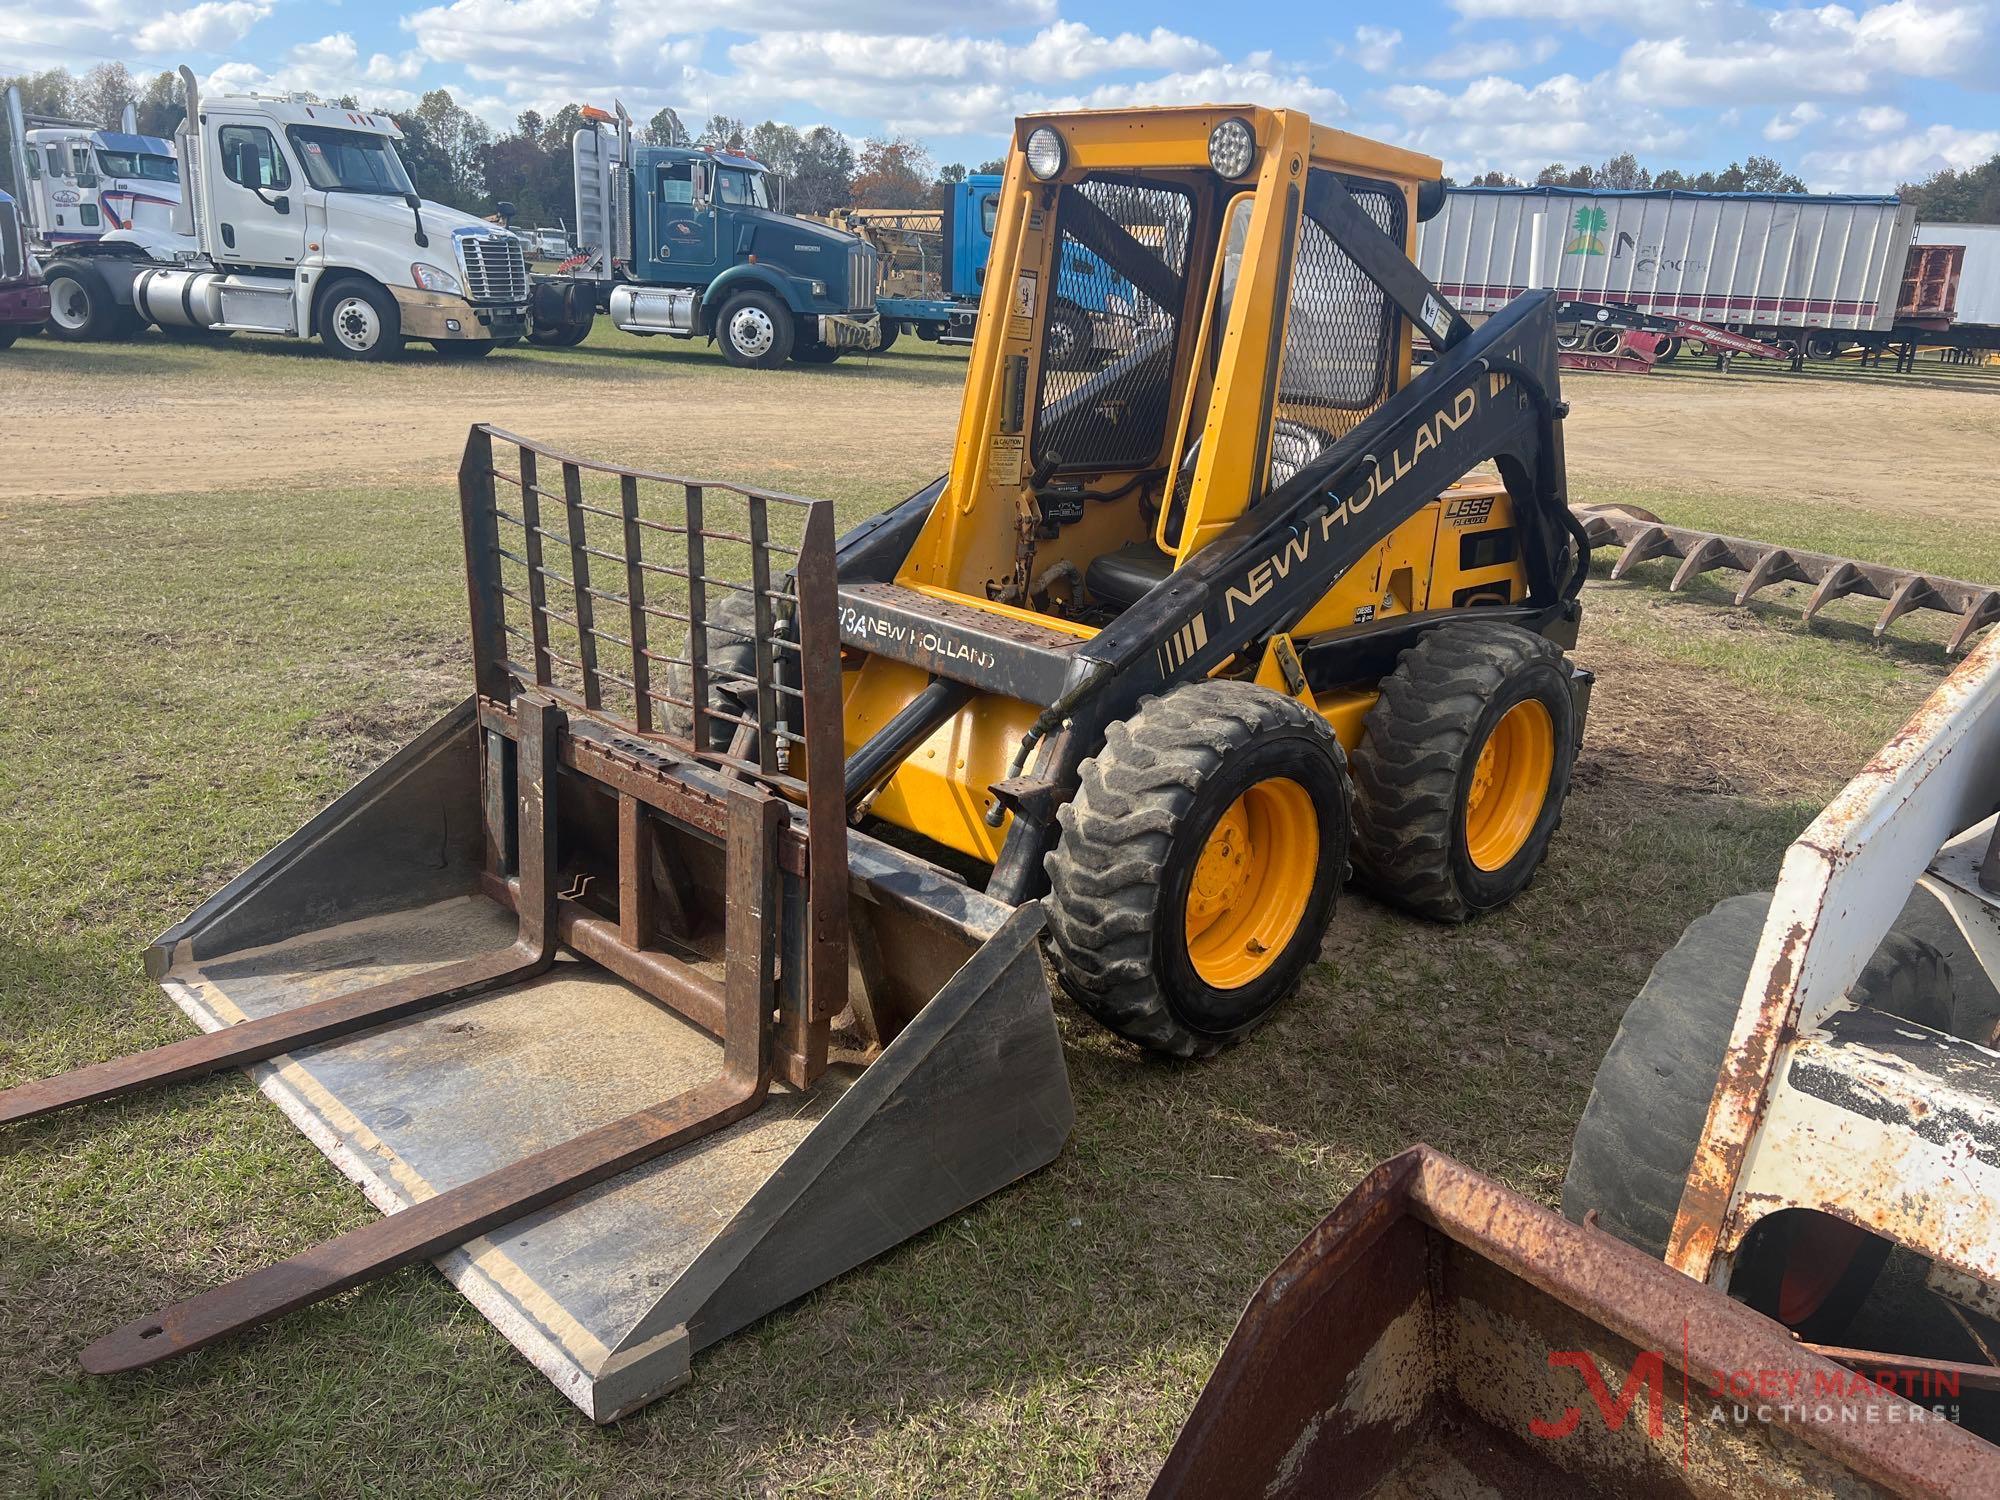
1232	147
1045	153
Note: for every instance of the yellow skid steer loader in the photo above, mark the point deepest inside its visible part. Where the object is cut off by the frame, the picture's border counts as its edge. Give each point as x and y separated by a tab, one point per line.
1201	615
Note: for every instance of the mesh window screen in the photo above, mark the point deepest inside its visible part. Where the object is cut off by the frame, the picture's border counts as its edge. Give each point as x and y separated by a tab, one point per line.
1107	347
1340	338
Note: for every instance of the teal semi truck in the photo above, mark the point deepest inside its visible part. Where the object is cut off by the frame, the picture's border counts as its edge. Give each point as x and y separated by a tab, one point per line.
689	244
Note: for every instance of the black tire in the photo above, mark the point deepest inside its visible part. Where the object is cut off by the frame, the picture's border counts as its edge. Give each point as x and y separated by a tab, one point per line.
1606	340
81	307
10	332
463	349
1669	352
1068	343
562	335
1133	837
814	354
358	320
732	661
889	331
1649	1103
1415	767
755	331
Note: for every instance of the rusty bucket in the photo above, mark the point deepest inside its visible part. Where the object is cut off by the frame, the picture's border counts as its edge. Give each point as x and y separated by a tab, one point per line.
1439	1335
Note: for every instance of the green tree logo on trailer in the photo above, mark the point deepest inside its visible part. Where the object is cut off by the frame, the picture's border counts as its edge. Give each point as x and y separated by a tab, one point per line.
1586	233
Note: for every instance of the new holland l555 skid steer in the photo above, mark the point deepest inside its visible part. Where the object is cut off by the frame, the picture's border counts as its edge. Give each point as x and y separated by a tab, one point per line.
1190	625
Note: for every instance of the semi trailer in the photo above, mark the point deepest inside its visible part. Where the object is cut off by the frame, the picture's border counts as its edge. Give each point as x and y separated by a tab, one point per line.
286	216
1813	272
685	242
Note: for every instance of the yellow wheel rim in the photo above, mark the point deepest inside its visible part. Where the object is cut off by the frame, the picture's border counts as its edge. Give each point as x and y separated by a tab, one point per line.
1252	882
1510	783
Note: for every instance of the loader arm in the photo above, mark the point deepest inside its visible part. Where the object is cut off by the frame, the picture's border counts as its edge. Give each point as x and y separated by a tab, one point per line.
1491	395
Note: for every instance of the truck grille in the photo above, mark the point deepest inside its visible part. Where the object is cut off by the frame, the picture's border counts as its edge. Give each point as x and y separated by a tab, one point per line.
861	279
13	262
496	268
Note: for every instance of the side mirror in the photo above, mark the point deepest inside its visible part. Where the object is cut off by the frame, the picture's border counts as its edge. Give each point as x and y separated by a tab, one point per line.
412	200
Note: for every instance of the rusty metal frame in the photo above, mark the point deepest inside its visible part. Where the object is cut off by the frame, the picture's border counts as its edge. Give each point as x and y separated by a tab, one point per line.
1644	537
786	709
1842	885
1278	1382
536	729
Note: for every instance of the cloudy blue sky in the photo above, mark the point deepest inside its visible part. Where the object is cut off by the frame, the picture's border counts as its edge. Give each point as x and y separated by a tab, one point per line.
1851	97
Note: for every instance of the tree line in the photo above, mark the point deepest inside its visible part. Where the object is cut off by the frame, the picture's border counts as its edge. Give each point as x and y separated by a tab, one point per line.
1944	197
1759	174
456	158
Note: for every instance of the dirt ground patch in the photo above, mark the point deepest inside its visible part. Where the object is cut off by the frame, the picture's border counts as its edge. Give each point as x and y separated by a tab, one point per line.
173	419
169	419
1921	443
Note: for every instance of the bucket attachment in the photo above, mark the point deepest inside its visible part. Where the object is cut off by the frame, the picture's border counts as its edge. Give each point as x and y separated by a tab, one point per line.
635	1039
1440	1335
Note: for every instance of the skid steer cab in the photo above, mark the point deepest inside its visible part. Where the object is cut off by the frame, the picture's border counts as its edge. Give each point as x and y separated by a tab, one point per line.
626	987
1198	620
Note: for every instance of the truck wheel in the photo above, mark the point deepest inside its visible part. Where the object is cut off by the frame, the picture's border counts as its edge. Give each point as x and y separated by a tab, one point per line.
889	332
358	320
562	335
1650	1103
9	332
1069	338
1462	769
81	307
1198	865
1669	352
815	354
461	350
755	331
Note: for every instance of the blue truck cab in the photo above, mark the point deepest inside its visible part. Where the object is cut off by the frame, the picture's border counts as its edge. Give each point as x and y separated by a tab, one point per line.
691	243
1094	308
966	220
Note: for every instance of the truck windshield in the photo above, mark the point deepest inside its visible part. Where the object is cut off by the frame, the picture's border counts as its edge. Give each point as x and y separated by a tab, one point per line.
350	161
745	189
141	164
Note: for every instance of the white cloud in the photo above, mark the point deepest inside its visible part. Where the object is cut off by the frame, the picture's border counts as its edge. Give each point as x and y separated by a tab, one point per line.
212	26
1476	59
1880	165
1062	53
1878	119
1374	48
1786	126
1496	123
330	67
1739	53
1256	80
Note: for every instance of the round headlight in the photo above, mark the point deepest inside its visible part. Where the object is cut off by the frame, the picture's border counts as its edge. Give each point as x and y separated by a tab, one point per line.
1232	147
1045	153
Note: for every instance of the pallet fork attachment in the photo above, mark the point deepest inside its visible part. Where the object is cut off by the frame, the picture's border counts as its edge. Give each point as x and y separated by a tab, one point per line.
461	977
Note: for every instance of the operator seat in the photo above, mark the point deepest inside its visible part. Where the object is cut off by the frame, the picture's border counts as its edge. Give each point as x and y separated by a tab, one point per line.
1120	579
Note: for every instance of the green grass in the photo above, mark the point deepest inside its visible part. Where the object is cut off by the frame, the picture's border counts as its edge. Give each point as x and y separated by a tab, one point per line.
191	676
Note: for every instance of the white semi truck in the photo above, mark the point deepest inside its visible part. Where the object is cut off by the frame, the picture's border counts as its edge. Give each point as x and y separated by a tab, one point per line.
290	216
